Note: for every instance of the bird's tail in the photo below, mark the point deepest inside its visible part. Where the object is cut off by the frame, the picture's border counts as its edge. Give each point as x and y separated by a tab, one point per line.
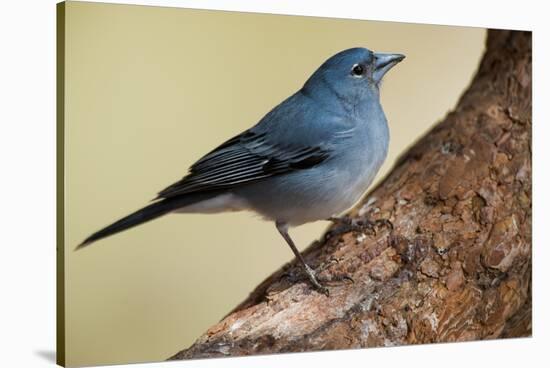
148	213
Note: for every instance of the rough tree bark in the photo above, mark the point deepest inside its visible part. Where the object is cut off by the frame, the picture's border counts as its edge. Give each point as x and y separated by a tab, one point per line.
457	264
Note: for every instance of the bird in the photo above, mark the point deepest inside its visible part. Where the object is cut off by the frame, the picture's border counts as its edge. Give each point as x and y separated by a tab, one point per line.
310	158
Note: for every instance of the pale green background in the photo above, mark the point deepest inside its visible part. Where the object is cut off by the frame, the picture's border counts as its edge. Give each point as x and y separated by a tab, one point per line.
151	89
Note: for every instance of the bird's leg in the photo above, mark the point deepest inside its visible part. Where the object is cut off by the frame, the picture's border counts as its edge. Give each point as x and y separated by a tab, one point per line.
283	230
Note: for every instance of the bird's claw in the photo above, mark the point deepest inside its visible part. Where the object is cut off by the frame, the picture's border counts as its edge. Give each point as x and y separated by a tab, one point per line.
338	280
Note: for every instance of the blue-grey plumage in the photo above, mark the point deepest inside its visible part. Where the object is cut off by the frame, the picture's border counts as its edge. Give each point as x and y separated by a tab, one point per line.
312	157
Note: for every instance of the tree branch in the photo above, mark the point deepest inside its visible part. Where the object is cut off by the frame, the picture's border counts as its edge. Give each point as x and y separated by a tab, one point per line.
457	264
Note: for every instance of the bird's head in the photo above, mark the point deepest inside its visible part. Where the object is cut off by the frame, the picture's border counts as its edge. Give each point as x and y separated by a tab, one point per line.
351	75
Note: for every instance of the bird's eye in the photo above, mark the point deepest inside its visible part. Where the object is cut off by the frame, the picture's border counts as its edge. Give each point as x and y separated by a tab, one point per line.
358	70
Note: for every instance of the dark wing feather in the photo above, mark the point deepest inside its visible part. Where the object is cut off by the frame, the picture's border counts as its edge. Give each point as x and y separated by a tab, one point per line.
242	159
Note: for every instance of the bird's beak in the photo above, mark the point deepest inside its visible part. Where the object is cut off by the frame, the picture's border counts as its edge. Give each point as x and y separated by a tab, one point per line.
384	62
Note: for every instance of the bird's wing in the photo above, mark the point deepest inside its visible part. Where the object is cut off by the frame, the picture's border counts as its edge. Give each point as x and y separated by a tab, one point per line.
245	158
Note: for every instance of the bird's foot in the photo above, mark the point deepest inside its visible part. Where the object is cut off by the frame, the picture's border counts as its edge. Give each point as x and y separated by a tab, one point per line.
320	284
334	279
343	225
338	280
346	224
311	274
374	225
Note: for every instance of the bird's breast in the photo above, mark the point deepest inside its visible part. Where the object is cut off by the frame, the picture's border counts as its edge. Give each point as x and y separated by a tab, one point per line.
362	158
